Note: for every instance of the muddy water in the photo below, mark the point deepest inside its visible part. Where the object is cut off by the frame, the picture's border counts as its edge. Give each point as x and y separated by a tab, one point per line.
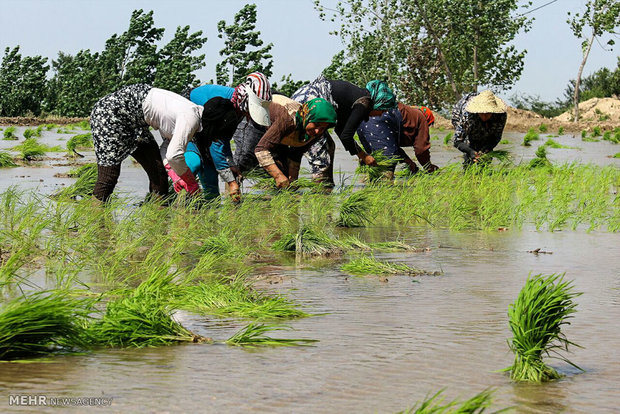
384	344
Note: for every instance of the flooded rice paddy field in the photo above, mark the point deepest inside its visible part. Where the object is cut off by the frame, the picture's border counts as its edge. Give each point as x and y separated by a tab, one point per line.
384	342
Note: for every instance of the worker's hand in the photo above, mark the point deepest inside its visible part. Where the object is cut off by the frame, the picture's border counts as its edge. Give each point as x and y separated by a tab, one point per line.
234	191
430	168
367	159
186	182
413	167
282	181
237	172
477	156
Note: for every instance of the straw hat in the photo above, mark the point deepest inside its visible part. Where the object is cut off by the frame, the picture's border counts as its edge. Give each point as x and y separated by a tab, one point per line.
485	102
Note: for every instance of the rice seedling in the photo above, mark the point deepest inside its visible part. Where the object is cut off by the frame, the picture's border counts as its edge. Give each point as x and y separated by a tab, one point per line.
504	141
584	133
222	297
354	210
308	241
614	139
616	155
368	265
543	306
80	141
6	160
554	144
49	127
543	128
31	149
447	138
560	130
541	159
393	245
436	405
253	335
385	165
29	133
530	136
500	155
9	133
84	185
43	323
596	131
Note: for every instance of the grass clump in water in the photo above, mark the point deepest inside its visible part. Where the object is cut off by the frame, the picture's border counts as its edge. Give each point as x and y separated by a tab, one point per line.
308	241
43	323
80	141
543	128
9	133
354	210
541	160
554	144
365	265
31	149
436	405
6	160
530	136
253	336
84	185
543	306
447	138
29	133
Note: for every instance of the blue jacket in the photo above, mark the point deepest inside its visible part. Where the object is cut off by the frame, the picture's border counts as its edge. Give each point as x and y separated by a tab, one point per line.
220	151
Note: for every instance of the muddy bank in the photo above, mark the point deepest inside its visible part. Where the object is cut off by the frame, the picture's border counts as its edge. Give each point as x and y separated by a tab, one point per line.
34	121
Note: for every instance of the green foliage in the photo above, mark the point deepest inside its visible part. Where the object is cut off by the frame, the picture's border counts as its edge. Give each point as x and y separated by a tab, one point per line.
560	130
447	138
80	141
396	39
253	335
614	139
554	144
616	155
436	405
366	265
238	62
541	158
42	323
288	86
6	160
543	306
29	132
584	134
9	133
384	166
84	185
22	82
596	131
31	149
354	211
543	128
530	136
308	241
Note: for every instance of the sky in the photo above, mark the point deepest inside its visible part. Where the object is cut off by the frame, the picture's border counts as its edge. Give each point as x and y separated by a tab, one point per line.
302	43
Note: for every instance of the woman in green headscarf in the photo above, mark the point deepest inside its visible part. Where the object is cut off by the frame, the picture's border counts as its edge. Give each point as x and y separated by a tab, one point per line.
293	129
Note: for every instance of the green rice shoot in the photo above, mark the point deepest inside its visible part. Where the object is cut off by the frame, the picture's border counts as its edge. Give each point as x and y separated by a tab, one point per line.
254	335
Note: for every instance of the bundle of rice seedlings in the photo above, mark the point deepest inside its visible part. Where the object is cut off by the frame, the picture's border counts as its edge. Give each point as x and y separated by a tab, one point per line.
354	210
530	136
541	159
543	306
31	149
500	155
368	265
253	335
80	141
9	133
393	245
6	160
384	165
234	298
436	405
28	133
308	241
554	144
43	323
84	185
447	138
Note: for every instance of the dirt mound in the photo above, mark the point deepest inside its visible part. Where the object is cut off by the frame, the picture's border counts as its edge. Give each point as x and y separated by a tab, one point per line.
595	110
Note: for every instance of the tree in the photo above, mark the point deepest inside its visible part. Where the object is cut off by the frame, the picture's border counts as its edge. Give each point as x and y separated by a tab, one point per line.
238	37
601	84
600	17
289	86
430	51
22	83
176	65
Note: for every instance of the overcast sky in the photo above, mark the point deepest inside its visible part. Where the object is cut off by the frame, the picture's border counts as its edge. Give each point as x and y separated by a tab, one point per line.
302	43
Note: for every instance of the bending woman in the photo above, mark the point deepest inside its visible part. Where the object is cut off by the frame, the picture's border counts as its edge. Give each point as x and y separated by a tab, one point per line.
251	100
353	106
120	125
404	126
294	129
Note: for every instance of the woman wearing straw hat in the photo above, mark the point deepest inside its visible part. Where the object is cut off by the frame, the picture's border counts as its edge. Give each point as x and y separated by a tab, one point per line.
479	120
403	126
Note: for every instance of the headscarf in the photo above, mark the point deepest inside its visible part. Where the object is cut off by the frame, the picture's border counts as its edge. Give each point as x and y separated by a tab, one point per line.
382	96
430	118
315	110
258	83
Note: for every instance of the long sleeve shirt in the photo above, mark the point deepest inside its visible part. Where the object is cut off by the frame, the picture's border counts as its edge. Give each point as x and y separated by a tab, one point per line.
354	106
220	151
471	134
283	131
177	120
414	132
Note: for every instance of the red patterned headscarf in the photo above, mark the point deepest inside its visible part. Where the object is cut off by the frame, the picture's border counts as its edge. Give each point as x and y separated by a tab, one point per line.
257	83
